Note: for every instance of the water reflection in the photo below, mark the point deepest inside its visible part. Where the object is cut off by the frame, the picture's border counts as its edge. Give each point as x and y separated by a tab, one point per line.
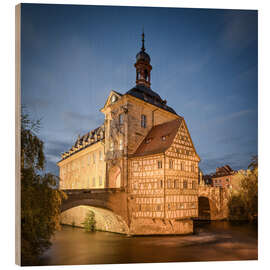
210	242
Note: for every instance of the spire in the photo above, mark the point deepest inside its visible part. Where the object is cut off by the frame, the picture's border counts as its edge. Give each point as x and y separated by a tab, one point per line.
142	65
143	49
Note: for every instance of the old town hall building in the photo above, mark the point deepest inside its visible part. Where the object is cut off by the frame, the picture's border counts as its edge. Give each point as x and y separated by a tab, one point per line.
143	147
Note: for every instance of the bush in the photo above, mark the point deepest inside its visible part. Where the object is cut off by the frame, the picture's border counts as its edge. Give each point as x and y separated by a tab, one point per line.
237	209
90	222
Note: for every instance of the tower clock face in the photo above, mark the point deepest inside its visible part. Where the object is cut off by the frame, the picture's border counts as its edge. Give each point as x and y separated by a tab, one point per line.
113	99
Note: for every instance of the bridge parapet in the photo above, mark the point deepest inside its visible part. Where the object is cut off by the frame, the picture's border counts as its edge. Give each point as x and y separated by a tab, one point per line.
93	191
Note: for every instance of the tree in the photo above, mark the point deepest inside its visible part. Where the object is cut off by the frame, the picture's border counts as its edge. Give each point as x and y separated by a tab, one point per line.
40	200
243	204
90	222
249	188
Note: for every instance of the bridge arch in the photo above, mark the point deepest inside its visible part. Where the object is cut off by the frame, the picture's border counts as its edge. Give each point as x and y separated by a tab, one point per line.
99	203
204	209
217	198
106	220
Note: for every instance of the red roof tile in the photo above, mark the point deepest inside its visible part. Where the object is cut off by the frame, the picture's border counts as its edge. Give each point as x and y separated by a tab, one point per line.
159	138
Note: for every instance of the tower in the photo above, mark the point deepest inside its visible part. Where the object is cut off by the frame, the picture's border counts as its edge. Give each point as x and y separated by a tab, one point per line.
143	67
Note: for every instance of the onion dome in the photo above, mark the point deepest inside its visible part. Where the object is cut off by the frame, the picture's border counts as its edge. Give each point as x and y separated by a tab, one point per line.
142	55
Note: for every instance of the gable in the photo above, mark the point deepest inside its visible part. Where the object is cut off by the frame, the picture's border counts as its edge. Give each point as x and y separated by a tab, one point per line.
112	98
182	143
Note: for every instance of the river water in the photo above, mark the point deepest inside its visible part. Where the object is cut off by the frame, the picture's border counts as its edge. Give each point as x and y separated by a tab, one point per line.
215	241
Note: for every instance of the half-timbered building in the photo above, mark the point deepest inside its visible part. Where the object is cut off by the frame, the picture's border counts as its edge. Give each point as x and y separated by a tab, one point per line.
144	147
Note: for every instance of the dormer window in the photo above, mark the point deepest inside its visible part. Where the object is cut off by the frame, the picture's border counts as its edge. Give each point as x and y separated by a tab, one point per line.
148	140
164	137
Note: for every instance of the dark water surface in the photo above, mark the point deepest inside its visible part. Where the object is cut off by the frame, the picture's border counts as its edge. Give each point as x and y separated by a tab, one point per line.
215	241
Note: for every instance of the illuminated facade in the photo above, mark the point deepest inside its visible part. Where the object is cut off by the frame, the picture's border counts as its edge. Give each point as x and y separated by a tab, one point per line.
145	149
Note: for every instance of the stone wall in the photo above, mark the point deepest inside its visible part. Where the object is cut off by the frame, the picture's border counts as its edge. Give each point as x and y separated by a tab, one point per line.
105	220
160	226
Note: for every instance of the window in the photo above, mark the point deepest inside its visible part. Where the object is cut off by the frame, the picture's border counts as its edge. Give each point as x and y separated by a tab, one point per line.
158	207
176	184
94	158
180	206
193	185
169	206
192	168
113	99
163	138
143	121
100	155
100	180
168	183
159	164
121	119
111	146
94	182
161	184
170	163
182	166
185	184
121	144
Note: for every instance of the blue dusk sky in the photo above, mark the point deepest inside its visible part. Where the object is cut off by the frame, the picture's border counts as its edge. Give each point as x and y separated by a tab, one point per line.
205	64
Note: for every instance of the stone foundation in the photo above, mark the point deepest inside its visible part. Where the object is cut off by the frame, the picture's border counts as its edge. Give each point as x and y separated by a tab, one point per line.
142	226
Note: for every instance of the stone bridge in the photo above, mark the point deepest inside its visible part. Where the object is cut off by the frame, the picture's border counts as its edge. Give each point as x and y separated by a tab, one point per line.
109	206
212	203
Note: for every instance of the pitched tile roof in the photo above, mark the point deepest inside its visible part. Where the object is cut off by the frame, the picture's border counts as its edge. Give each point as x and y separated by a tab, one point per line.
86	140
159	138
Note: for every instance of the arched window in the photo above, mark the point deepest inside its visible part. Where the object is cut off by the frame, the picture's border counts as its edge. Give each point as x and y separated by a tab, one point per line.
145	74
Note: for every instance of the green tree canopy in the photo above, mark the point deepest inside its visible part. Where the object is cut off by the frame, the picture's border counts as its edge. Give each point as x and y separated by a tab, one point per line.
243	204
40	200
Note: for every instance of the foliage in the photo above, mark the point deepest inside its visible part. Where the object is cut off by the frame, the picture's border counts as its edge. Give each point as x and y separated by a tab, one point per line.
90	222
243	204
236	208
40	201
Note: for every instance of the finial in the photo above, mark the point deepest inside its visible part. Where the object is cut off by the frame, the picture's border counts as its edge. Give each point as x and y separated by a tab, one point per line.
143	49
